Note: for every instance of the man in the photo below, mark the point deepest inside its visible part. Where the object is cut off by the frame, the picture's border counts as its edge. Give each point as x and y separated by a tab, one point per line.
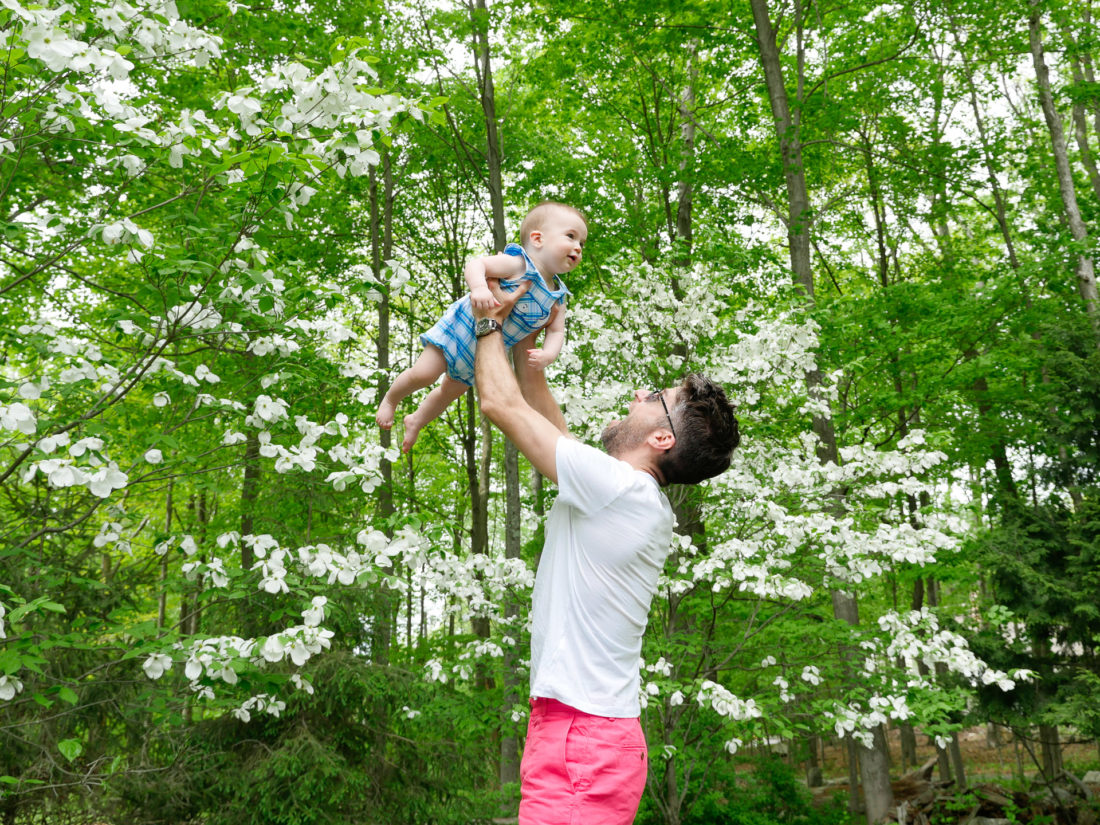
607	537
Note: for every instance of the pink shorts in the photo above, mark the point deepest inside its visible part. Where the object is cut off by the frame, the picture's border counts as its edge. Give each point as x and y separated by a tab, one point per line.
580	769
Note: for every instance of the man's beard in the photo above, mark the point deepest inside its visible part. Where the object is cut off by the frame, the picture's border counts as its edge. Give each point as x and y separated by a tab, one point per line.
620	436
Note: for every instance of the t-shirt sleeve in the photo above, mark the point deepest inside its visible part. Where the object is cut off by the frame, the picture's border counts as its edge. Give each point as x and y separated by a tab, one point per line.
589	479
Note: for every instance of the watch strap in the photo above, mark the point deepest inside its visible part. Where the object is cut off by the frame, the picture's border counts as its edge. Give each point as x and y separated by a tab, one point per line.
486	326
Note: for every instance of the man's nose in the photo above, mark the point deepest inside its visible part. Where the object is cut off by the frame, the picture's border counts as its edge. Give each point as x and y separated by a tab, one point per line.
640	395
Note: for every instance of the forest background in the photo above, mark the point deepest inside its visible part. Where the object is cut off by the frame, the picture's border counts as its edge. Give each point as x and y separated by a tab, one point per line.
225	597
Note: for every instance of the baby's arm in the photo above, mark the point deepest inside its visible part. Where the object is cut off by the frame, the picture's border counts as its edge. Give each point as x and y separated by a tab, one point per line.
552	343
479	270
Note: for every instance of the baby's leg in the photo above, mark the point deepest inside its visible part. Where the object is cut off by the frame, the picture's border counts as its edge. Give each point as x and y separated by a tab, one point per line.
430	409
428	367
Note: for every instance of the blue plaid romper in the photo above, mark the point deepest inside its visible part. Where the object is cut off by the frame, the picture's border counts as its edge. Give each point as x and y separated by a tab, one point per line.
454	333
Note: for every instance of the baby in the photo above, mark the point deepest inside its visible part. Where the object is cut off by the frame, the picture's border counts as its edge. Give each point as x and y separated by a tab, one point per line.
553	237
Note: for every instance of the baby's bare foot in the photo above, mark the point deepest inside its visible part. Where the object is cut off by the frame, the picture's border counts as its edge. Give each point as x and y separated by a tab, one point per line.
412	425
384	417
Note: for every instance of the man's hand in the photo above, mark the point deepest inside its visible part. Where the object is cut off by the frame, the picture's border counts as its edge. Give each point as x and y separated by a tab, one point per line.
505	301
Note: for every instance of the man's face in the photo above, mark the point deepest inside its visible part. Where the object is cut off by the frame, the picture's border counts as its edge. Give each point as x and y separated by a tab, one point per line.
645	414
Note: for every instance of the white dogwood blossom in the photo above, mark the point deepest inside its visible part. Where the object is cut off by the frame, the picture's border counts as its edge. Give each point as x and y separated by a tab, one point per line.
263	703
156	665
18	417
10	686
916	639
721	701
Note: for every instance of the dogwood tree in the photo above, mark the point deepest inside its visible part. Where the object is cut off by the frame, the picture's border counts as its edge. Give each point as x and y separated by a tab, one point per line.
156	311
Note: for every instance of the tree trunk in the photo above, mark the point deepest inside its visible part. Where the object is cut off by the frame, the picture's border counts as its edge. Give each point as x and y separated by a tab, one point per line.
1080	121
1086	277
382	249
941	204
908	733
509	741
993	736
513	540
790	148
799	216
202	518
846	609
957	762
874	773
908	736
855	798
162	597
874	762
479	14
1051	750
1080	132
1002	468
685	186
484	476
943	758
672	787
1000	210
877	791
878	207
250	490
814	778
1087	69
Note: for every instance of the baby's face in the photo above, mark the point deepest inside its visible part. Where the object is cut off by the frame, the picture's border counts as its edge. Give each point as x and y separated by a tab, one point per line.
559	244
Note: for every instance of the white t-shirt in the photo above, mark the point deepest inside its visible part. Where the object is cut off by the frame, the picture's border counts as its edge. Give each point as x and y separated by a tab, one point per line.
607	537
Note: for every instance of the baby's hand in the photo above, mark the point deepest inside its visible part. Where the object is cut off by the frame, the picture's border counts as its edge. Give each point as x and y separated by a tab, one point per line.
539	358
482	298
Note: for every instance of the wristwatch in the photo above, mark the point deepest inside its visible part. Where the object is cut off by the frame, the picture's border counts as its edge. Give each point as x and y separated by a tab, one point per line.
485	326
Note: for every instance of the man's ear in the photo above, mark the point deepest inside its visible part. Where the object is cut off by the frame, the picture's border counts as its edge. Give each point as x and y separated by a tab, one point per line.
661	439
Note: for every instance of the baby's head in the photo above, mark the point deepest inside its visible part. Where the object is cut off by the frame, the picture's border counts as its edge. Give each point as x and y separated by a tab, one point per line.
542	214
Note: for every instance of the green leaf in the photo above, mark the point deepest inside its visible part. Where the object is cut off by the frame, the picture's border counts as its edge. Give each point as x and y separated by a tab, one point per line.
67	694
70	748
20	612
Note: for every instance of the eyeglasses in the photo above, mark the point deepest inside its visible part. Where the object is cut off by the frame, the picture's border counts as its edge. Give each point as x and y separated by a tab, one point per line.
659	395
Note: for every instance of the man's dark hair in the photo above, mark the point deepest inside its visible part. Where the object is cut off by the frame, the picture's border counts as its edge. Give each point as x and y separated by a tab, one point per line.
706	433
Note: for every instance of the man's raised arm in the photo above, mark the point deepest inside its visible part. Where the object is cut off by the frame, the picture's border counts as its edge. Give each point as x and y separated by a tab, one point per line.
532	383
504	404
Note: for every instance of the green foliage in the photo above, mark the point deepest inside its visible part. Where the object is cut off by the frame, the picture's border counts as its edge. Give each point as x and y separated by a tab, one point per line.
934	311
1041	554
764	792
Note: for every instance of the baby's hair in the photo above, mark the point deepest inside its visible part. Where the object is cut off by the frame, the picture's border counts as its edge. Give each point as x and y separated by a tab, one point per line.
539	214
